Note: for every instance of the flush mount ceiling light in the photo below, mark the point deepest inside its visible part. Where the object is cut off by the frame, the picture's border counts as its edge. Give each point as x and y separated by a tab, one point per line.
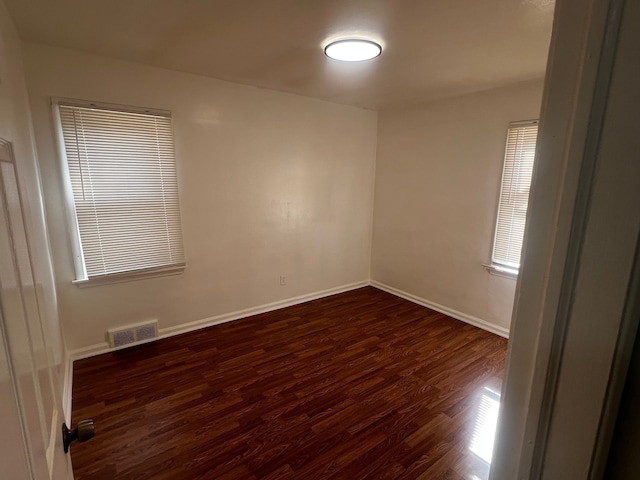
352	50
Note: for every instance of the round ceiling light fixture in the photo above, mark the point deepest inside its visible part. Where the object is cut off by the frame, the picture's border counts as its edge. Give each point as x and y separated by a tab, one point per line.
353	50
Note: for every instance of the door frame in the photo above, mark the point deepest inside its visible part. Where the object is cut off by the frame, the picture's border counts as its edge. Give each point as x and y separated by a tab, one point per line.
555	418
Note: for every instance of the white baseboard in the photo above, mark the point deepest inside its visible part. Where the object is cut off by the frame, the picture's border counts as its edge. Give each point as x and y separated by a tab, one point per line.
104	347
100	348
269	307
470	319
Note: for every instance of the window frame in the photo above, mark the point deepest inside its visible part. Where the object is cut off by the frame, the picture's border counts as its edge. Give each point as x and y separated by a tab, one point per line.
81	277
496	267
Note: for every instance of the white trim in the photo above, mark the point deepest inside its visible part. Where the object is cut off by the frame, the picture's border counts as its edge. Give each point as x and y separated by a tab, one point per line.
501	270
116	107
512	125
51	447
103	347
67	191
67	388
524	123
372	198
470	319
130	276
548	343
69	205
82	277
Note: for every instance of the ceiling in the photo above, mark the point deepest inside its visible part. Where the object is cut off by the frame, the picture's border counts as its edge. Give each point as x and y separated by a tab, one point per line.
432	48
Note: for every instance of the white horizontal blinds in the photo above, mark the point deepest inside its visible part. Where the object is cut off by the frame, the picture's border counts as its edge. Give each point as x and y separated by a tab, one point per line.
125	190
514	193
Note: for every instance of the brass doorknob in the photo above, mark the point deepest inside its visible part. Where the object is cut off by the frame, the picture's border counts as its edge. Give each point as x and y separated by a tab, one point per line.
84	431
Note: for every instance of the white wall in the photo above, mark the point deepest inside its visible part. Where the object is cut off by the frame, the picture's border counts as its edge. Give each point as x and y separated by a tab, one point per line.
270	184
437	187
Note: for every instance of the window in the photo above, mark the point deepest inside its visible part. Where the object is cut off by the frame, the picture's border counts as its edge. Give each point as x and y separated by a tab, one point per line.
514	196
122	190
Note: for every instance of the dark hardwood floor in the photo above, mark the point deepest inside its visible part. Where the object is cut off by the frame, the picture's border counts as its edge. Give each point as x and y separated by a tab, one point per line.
360	385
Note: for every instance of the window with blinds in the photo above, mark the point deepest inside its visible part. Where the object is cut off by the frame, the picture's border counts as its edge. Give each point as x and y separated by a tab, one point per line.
122	177
514	195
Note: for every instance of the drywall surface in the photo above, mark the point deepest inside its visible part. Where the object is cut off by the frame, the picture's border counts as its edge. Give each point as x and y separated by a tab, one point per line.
270	184
437	188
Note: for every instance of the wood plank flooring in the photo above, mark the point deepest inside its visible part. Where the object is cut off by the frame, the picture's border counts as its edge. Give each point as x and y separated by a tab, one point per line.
360	385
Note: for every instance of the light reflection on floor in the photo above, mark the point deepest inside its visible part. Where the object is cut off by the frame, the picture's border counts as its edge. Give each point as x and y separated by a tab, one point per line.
484	431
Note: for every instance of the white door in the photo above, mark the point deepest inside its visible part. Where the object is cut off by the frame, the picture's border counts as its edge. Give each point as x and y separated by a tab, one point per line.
30	349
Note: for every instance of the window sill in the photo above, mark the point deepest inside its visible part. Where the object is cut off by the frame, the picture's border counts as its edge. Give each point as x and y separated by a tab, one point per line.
129	276
501	271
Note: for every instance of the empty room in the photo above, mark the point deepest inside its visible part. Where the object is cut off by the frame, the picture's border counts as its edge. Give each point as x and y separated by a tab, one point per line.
283	239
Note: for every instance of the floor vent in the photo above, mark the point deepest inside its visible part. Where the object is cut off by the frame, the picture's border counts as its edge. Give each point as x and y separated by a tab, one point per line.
140	332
